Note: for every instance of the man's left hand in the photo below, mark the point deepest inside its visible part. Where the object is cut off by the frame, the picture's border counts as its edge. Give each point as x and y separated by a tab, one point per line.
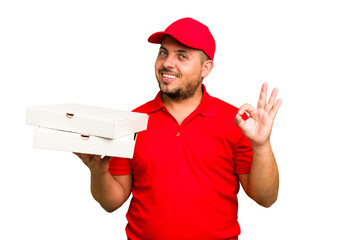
257	128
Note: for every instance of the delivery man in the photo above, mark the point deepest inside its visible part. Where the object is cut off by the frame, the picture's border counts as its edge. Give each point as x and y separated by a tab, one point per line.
196	152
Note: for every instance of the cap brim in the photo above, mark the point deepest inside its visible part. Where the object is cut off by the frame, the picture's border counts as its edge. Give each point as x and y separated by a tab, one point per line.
157	37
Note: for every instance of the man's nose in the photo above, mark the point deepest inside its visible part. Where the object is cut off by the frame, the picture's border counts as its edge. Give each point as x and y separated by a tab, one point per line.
169	62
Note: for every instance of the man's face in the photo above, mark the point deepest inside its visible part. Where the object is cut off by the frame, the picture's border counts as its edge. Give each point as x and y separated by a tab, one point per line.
178	69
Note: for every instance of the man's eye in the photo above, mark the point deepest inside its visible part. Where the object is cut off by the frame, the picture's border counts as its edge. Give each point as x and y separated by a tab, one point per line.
182	56
162	53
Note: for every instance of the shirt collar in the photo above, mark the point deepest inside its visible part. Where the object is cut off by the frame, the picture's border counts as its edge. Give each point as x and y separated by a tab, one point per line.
205	108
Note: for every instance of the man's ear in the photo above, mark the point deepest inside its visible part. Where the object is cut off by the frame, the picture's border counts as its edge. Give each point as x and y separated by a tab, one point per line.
207	66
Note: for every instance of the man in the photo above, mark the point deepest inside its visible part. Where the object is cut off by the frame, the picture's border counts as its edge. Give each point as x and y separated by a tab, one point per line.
187	165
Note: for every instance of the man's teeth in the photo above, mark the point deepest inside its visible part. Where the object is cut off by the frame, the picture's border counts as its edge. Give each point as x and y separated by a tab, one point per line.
169	76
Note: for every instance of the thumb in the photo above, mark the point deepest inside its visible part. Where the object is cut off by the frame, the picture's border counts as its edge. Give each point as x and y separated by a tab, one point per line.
240	120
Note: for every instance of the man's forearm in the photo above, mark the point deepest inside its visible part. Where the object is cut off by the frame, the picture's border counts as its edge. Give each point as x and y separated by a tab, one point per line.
263	183
107	191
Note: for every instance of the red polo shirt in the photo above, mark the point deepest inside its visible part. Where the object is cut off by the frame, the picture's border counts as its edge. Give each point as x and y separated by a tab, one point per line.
185	180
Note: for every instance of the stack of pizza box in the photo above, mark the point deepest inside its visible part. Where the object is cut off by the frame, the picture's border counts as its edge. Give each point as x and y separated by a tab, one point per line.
86	129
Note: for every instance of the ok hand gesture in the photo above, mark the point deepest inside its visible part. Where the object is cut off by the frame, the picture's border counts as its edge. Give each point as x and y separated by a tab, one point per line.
257	128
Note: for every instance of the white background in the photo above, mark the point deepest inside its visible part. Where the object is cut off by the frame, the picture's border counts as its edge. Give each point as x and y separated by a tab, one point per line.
96	53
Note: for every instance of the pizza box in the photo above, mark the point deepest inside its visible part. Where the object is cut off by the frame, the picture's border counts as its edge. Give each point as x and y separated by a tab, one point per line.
87	120
45	138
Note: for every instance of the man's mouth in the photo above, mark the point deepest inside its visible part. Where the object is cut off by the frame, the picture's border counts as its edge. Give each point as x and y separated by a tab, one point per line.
168	77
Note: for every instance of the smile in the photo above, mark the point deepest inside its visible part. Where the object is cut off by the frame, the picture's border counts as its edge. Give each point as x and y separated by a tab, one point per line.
168	76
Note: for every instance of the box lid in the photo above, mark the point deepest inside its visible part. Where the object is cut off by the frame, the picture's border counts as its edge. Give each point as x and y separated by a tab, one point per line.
89	120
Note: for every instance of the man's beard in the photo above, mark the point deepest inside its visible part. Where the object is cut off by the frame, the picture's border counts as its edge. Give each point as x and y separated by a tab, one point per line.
186	90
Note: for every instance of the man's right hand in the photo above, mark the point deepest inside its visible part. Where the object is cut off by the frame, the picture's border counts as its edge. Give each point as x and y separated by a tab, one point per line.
97	165
110	191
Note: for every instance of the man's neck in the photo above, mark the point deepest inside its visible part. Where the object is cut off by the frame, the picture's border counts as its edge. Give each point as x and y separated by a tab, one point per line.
180	109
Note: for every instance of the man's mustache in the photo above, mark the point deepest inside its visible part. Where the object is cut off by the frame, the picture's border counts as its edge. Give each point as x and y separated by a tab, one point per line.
166	70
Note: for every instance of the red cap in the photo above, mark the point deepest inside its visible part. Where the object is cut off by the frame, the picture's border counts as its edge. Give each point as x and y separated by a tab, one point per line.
189	32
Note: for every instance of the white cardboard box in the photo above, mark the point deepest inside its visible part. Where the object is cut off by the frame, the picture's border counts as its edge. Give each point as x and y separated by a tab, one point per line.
74	142
88	120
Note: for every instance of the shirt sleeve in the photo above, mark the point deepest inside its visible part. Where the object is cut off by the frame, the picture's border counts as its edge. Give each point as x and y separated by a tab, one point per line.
243	156
120	166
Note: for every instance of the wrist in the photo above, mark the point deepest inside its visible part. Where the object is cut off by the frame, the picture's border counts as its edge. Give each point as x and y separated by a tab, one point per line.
261	147
98	173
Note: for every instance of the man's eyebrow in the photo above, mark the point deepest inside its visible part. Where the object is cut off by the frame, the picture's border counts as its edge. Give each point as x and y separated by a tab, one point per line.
178	51
183	51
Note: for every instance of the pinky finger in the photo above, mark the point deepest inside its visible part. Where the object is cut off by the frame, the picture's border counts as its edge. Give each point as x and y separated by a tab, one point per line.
275	109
